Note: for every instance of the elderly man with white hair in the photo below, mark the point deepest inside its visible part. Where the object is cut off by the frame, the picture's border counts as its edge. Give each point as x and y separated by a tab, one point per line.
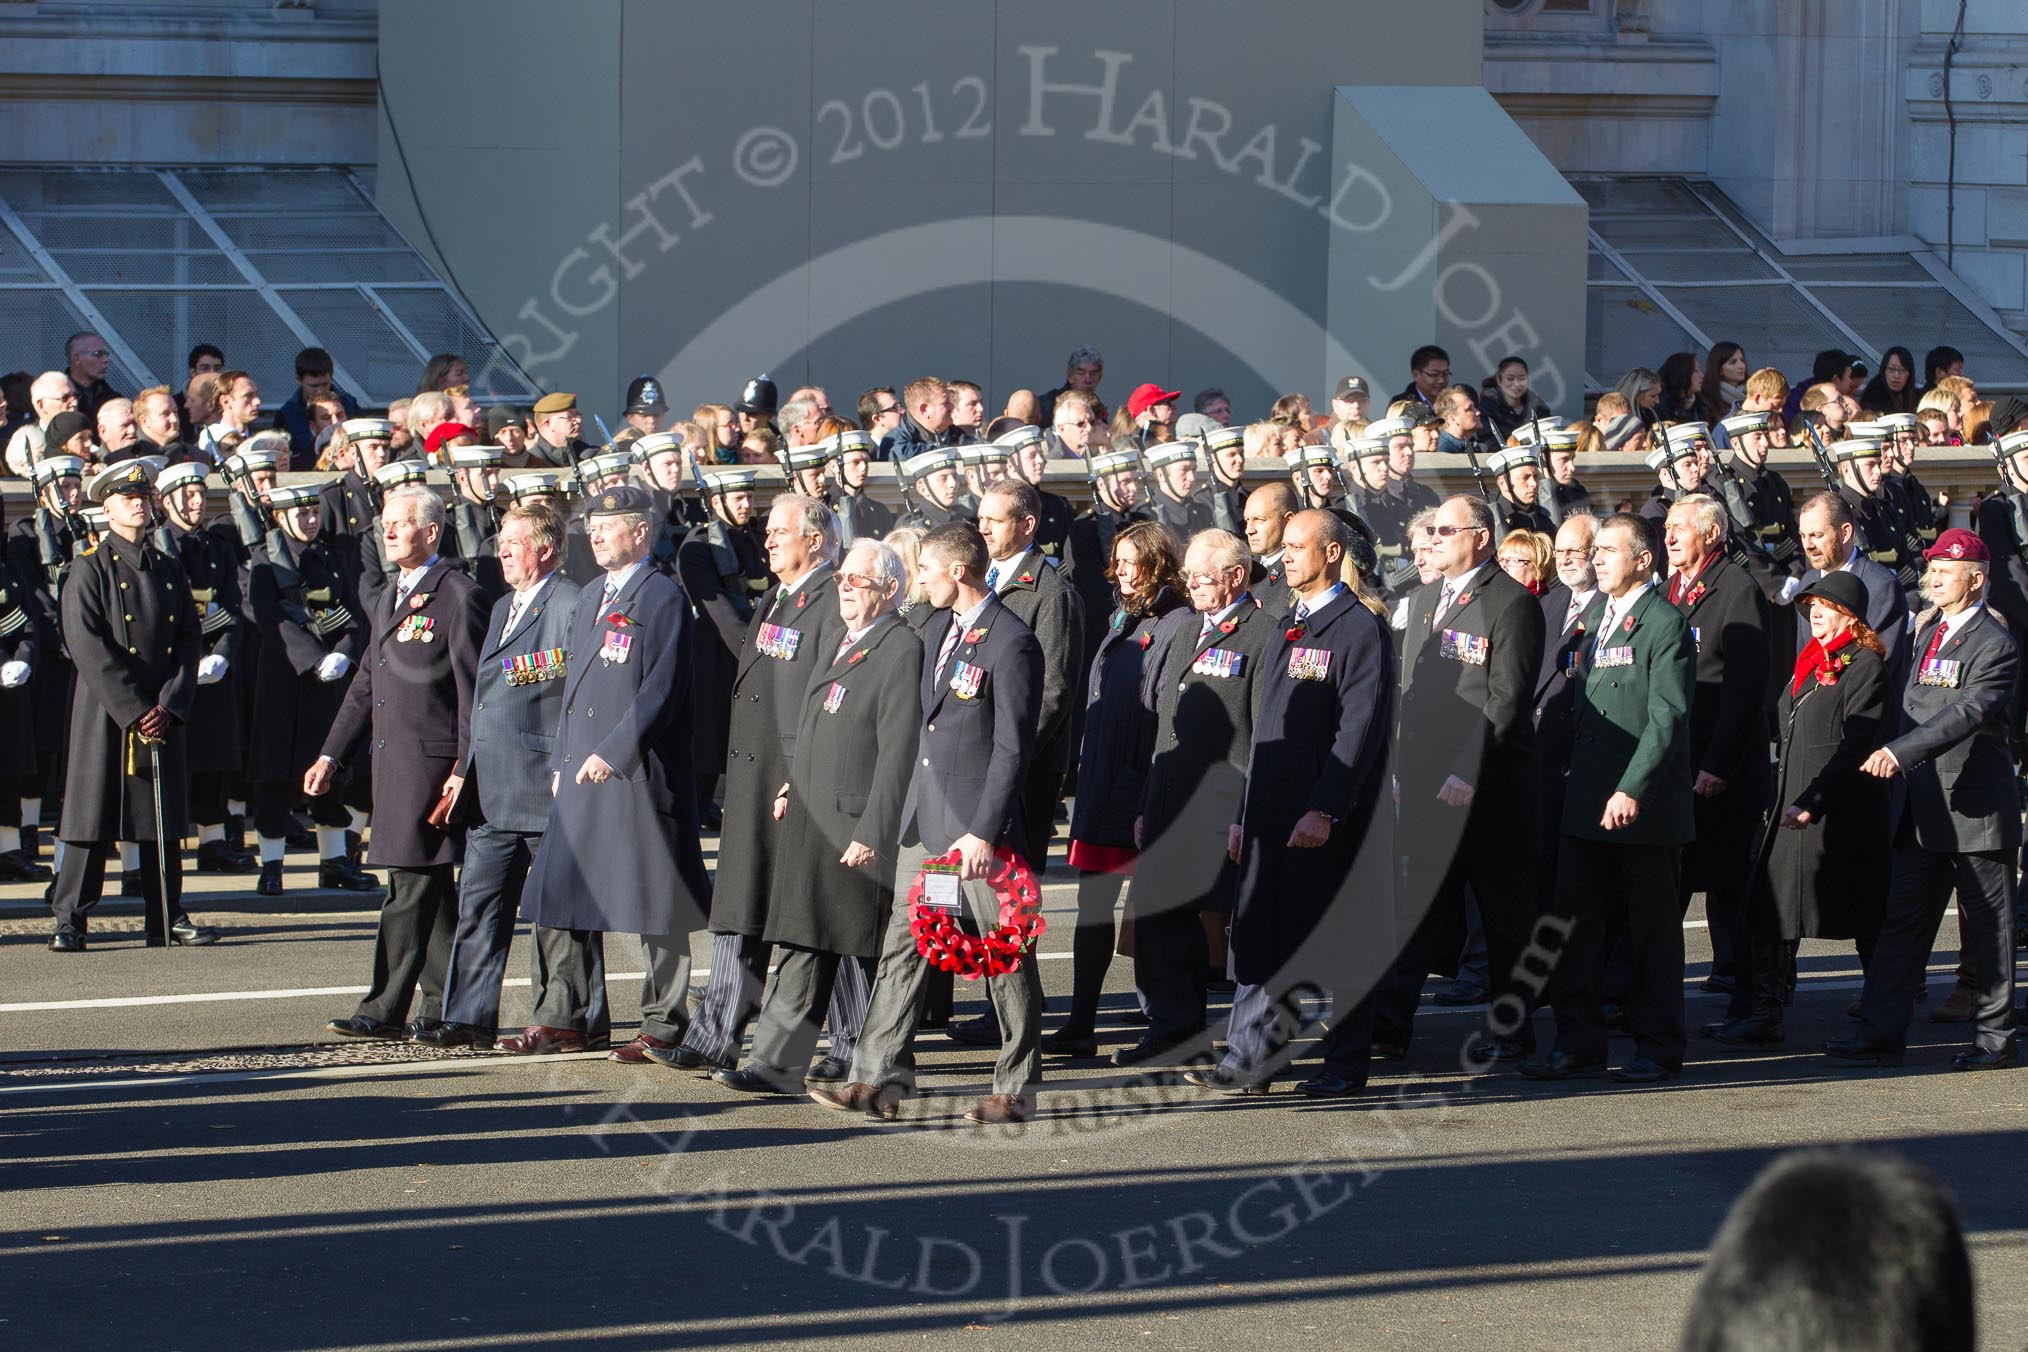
840	825
410	703
49	395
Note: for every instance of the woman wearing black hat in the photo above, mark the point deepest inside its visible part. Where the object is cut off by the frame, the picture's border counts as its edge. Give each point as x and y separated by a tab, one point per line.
1825	858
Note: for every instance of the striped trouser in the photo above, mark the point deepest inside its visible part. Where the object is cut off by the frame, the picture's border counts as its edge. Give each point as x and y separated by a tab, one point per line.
739	968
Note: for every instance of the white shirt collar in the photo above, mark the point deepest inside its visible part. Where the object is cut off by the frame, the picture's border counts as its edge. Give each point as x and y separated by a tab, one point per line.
1950	624
1618	610
1009	570
1222	616
409	576
618	581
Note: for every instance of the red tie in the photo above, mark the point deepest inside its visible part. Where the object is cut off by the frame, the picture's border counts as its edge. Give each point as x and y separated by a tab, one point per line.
1935	642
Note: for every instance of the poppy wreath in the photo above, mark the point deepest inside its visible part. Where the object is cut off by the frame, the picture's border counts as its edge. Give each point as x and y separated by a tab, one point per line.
949	948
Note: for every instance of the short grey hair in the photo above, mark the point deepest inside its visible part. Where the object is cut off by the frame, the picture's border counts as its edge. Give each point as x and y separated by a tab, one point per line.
429	508
812	518
1085	355
886	565
1421	519
793	412
1227	550
1705	510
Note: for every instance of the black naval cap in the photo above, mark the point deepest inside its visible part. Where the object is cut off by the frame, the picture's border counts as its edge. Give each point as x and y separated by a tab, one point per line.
621	500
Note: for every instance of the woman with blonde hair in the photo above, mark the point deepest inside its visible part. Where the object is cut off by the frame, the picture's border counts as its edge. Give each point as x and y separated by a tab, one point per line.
915	608
1524	555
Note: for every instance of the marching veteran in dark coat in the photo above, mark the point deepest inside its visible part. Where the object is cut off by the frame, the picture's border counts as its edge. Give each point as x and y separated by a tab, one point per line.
1315	839
1960	827
620	852
517	699
980	693
313	632
1204	714
1826	859
840	815
1626	816
724	571
131	630
791	634
411	701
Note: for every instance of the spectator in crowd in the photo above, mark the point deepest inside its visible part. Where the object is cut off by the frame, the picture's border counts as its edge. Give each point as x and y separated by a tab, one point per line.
880	412
1682	381
14	410
239	409
1724	389
968	410
117	432
1082	372
87	359
204	360
1429	369
51	394
1893	390
1351	401
1836	1249
1642	389
1021	407
155	417
1214	404
444	370
313	381
1939	362
925	421
721	426
1513	404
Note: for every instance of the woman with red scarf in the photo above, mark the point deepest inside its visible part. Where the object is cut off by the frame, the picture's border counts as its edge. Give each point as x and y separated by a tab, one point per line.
1824	861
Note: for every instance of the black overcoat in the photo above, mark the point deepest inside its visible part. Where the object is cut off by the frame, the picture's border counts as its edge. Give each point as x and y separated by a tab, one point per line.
1127	671
724	571
855	749
298	590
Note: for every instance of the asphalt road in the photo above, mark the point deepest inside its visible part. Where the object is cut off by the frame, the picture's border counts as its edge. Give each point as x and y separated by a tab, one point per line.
187	1163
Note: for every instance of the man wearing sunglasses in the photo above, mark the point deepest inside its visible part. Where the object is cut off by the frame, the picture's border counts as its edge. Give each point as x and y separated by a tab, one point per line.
88	358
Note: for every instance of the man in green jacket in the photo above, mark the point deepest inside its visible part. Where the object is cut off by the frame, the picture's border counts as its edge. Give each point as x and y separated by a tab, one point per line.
1626	815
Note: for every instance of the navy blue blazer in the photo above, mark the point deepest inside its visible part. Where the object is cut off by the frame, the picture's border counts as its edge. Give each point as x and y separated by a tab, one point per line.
623	856
517	701
979	718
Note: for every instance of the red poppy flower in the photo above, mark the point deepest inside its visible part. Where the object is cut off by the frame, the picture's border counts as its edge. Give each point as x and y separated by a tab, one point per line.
416	602
974	635
854	658
1293	632
1228	626
1146	639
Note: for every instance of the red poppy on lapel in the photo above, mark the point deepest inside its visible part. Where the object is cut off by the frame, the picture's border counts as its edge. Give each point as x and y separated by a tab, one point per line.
1464	597
619	619
1146	639
801	597
1228	626
974	635
1695	592
1294	631
855	657
415	602
1026	579
1628	627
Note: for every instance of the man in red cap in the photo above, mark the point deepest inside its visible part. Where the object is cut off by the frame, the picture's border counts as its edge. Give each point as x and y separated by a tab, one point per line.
1150	404
1964	817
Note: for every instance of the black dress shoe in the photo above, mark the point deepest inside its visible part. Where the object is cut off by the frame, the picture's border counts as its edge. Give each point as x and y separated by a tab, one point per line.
270	884
1561	1066
830	1070
15	867
1459	993
339	874
1070	1042
979	1032
1643	1070
187	933
1718	984
448	1035
1981	1059
1328	1084
67	941
1854	1051
360	1026
1225	1080
215	856
1153	1049
1752	1031
1505	1049
418	1026
757	1079
683	1058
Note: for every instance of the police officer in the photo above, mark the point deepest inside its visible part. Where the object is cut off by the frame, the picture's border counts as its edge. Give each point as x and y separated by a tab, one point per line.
1028	460
644	412
724	570
861	516
133	633
1172	488
301	598
933	489
215	760
475	515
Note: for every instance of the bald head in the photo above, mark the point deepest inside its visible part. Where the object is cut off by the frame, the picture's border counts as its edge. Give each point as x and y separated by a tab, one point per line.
1313	551
1267	512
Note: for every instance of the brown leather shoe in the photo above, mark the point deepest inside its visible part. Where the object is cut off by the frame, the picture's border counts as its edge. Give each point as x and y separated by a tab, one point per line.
846	1098
635	1053
1962	1007
541	1041
998	1108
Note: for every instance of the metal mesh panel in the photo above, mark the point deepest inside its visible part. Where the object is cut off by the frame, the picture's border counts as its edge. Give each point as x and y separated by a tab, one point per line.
140	233
34	325
15	263
1918	318
363	342
163	326
1775	324
311	232
272	190
1624	329
1636	197
1857	268
1665	232
72	189
1699	265
1601	269
439	325
114	268
281	267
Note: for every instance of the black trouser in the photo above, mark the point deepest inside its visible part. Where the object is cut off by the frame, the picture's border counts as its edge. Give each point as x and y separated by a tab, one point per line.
274	803
413	944
1923	881
1717	863
489	894
1645	876
209	790
1505	889
1171	961
82	879
1766	965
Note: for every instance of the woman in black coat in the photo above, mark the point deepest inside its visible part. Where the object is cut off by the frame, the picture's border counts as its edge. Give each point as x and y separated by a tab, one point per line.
1112	769
1824	862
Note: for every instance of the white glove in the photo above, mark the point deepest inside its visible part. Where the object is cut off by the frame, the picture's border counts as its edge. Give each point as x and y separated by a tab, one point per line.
210	670
13	675
333	667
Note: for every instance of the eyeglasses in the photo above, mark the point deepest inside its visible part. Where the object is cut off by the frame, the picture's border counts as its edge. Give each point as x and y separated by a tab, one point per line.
1075	422
859	582
1448	531
1572	553
95	352
886	409
1206	579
